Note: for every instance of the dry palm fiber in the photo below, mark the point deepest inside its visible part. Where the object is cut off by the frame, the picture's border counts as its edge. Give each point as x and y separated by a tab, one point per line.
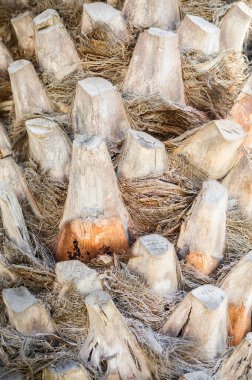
163	119
202	8
160	203
212	83
30	355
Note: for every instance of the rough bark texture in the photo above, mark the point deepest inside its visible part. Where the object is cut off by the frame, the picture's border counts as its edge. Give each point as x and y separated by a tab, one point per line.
75	273
142	155
67	371
195	33
206	303
234	27
28	92
26	313
5	144
239	184
238	365
23	27
202	235
13	219
155	67
50	147
154	258
238	287
214	149
95	219
110	341
55	49
11	175
104	16
163	14
98	109
5	57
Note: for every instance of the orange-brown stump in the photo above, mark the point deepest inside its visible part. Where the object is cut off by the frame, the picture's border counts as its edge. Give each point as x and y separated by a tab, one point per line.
95	219
238	287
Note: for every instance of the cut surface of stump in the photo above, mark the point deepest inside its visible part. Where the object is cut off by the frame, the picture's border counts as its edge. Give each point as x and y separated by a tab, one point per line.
23	26
154	258
66	371
26	313
238	287
47	18
195	33
98	110
163	14
5	57
202	235
95	219
202	316
5	144
155	67
13	219
75	273
50	147
198	375
110	341
11	175
215	148
103	16
239	184
142	155
55	49
238	365
234	27
28	92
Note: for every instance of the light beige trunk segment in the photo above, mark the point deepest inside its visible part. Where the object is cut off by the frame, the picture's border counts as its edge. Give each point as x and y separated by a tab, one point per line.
5	144
142	155
5	57
215	148
154	258
239	184
50	147
95	219
234	27
201	315
238	365
98	109
67	371
26	313
109	340
103	16
199	375
155	67
23	26
195	33
13	219
163	14
74	273
202	235
238	287
55	49
28	92
11	175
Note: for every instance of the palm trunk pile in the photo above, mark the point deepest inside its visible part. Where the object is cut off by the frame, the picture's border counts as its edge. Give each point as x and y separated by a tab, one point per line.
125	189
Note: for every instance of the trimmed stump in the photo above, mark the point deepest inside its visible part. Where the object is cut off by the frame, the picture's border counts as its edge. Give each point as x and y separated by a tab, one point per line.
50	147
155	67
202	235
202	316
110	346
95	219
